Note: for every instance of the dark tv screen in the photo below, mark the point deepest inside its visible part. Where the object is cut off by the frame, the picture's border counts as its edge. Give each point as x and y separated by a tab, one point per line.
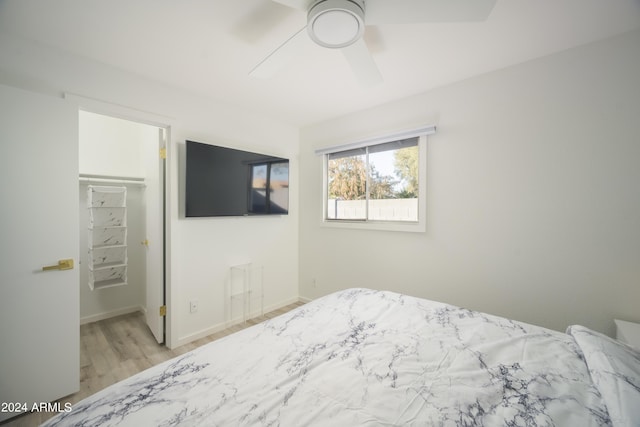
222	181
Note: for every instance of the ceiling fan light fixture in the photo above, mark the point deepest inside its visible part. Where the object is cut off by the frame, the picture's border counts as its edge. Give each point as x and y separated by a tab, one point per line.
336	23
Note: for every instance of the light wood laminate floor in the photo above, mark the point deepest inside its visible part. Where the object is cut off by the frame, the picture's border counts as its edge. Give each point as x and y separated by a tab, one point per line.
117	348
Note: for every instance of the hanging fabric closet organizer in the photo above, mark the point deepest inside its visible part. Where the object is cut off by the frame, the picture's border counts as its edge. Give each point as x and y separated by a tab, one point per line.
107	236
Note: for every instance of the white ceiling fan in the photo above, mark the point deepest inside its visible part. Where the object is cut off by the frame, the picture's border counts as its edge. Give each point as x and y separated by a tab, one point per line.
340	24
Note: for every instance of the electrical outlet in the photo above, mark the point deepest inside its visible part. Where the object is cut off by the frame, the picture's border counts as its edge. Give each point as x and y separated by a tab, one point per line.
193	306
313	283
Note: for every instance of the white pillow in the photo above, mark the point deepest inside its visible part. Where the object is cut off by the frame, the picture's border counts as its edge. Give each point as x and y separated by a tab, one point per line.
615	370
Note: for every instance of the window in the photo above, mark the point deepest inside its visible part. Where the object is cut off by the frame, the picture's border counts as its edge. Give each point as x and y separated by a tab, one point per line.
377	184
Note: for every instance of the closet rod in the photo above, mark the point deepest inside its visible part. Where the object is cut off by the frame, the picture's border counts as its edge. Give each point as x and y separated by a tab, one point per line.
105	179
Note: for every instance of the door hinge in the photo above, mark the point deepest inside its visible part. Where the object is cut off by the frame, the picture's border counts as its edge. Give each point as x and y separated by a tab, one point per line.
163	153
163	310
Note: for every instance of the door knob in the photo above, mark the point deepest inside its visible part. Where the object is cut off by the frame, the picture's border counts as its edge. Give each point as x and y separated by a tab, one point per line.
63	264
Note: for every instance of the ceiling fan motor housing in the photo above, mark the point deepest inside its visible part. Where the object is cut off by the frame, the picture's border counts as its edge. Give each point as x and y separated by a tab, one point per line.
336	23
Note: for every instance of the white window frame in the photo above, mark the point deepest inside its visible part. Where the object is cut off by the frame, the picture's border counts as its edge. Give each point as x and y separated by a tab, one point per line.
418	226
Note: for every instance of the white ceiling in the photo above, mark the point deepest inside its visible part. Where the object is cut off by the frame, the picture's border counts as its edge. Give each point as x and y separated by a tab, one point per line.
209	46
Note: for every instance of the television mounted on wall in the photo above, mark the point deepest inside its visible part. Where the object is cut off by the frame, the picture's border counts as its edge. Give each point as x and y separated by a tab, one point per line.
222	181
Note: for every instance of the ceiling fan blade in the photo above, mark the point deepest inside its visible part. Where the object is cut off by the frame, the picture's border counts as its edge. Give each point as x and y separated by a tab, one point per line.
260	20
280	57
296	4
374	39
362	63
417	11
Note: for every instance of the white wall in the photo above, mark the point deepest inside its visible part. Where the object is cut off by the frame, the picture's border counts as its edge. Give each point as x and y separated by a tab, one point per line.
204	249
201	250
533	193
112	146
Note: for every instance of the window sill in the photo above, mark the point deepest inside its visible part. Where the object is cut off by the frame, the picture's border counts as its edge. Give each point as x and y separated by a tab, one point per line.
410	227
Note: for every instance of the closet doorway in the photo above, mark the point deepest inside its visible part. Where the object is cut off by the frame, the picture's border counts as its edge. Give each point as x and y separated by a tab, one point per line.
128	157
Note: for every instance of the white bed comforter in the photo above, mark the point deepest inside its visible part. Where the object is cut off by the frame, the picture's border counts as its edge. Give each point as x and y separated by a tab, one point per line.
362	358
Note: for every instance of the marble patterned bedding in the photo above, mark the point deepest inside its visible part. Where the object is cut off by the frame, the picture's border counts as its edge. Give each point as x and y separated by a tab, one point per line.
363	358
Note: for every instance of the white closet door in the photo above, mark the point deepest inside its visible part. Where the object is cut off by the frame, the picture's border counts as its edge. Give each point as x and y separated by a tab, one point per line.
154	202
39	310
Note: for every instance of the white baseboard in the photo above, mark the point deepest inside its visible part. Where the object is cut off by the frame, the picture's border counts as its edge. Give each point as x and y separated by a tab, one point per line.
281	304
200	334
110	314
227	324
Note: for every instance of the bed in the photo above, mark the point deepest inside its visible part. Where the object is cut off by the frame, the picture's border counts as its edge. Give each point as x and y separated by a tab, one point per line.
362	357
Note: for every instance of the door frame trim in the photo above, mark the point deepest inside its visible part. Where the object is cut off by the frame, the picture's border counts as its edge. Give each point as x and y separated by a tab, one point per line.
96	106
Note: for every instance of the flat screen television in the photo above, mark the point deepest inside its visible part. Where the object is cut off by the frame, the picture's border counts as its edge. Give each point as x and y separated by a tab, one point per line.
222	181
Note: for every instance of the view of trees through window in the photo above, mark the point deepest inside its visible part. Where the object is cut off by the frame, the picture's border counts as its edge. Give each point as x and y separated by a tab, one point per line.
389	170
